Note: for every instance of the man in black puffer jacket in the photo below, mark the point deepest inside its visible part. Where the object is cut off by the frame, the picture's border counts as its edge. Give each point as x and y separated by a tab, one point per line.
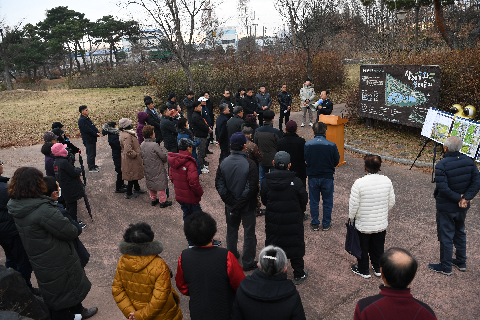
250	103
68	178
114	142
285	199
153	118
201	130
458	181
295	147
169	129
10	241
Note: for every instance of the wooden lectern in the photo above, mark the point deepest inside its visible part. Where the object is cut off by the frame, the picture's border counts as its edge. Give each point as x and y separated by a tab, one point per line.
335	132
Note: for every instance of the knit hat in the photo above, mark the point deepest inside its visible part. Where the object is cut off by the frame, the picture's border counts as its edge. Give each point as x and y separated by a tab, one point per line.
184	143
171	95
291	126
124	122
268	114
58	150
57	125
282	159
202	99
49	136
238	139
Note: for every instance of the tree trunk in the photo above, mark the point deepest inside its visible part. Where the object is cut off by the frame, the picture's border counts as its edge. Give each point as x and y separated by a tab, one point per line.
70	58
417	10
7	74
440	20
82	53
75	48
111	53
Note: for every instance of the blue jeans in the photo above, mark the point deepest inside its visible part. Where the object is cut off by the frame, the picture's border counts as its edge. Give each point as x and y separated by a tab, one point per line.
188	209
262	171
451	231
317	186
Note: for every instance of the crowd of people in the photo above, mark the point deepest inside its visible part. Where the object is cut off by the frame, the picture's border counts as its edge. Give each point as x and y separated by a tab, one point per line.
259	165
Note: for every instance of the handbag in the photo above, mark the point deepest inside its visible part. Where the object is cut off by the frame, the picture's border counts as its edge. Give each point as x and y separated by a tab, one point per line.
352	241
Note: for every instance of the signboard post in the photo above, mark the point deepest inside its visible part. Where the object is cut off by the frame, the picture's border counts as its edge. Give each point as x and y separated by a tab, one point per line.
399	94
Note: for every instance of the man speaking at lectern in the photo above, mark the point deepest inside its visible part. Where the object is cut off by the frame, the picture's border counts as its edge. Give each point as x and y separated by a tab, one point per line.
321	157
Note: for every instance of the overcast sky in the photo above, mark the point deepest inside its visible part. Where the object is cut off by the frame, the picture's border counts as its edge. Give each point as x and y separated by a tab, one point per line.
32	11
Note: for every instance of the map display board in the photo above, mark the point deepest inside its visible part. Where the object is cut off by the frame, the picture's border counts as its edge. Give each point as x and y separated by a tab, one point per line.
401	94
469	132
437	125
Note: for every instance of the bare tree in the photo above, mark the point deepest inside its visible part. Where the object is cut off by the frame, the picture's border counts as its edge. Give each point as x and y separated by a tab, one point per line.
311	23
176	19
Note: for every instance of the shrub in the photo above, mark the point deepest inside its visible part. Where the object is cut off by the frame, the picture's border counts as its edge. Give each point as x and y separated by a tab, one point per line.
231	72
30	83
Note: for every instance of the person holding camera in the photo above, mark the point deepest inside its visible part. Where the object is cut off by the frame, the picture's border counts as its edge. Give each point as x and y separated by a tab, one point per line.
237	184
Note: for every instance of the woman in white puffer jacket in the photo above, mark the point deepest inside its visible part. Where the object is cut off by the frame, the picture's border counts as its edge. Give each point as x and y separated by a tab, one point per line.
371	198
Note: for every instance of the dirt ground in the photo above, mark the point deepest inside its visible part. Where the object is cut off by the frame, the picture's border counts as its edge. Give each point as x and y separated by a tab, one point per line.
332	290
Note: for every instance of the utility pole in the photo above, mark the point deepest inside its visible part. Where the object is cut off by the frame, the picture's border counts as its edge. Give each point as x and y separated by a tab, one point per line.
263	37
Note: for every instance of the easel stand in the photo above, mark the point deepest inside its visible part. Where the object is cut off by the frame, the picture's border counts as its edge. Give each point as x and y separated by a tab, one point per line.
434	157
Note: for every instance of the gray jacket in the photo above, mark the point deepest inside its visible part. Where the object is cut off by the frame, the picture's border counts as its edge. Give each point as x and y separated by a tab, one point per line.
307	93
237	182
263	100
154	159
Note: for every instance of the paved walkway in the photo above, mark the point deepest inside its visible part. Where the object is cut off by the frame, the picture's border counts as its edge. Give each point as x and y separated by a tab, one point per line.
332	290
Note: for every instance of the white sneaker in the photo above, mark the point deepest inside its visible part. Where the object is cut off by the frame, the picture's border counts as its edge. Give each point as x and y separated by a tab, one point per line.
311	124
302	125
205	170
78	317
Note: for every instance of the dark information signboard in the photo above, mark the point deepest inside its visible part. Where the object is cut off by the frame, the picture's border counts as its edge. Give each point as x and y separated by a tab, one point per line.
401	94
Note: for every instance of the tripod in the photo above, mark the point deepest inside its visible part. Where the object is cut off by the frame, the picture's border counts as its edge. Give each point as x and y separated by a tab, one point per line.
434	157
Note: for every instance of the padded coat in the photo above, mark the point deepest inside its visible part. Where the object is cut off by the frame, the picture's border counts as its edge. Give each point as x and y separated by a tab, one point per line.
184	176
47	237
371	198
154	160
68	178
142	283
132	164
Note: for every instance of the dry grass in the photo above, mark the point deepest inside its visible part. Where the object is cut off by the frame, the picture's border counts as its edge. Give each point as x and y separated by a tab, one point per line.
26	115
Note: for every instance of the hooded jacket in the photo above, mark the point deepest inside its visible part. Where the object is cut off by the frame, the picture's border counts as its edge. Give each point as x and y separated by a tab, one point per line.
68	177
188	134
184	176
154	159
114	142
47	238
262	297
285	199
142	118
132	164
142	283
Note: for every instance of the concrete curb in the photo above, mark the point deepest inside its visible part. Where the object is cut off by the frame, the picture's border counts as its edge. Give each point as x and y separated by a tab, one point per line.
389	158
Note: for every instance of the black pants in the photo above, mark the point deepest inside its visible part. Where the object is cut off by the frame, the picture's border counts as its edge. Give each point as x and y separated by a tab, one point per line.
224	152
91	149
132	184
285	115
66	314
72	209
372	245
119	183
260	119
17	258
248	220
297	265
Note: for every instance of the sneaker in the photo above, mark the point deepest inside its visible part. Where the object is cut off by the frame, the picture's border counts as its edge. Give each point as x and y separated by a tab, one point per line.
376	271
306	217
98	167
251	267
315	227
133	195
363	275
154	203
327	228
82	224
460	266
213	142
311	124
217	243
205	170
88	313
297	281
302	125
437	267
122	190
140	191
190	247
93	170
